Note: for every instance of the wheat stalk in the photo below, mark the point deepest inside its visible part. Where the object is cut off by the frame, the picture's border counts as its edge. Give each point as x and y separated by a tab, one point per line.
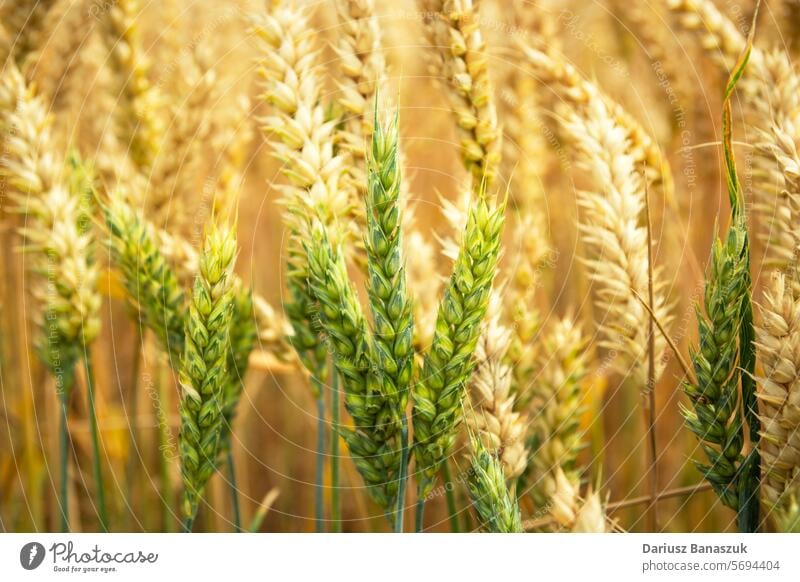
778	394
204	365
493	418
495	505
453	30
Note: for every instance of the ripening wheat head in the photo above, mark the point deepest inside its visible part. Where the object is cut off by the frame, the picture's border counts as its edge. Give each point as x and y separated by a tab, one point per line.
611	226
59	243
492	415
362	65
580	96
453	30
376	367
139	120
303	141
555	396
779	391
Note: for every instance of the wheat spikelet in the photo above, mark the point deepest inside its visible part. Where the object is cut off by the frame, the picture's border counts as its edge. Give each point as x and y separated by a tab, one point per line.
139	115
779	390
204	364
454	31
574	514
448	364
555	400
493	417
305	147
611	227
496	507
787	517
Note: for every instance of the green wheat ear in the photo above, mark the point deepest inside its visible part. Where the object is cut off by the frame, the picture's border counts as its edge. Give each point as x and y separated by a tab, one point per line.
150	283
204	364
497	508
725	360
376	365
449	363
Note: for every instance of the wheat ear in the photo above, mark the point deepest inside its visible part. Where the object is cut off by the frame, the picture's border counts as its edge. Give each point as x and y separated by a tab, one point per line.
454	31
150	283
204	365
493	417
556	397
376	368
725	360
449	362
362	65
139	117
494	503
304	145
779	391
611	227
560	76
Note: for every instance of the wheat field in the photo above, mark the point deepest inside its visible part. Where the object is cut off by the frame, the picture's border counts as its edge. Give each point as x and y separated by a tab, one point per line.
411	265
